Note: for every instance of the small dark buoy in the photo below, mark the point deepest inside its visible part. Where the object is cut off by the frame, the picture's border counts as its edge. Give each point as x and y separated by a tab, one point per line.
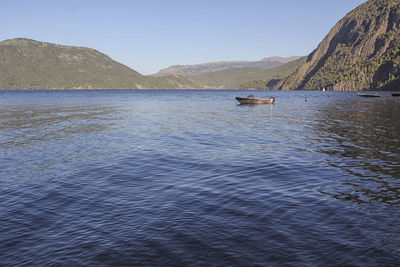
305	99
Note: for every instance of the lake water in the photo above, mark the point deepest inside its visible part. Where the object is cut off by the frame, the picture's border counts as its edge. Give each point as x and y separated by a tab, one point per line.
183	178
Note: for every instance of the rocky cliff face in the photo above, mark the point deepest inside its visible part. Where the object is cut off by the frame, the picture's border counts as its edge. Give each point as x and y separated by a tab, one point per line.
361	52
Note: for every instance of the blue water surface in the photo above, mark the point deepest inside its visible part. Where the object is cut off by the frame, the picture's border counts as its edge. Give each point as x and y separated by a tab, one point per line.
188	177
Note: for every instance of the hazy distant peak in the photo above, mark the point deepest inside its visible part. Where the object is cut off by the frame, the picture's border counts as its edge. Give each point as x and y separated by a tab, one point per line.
196	69
280	59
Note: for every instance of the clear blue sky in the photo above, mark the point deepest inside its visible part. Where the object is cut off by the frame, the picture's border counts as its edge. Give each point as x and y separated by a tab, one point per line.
148	35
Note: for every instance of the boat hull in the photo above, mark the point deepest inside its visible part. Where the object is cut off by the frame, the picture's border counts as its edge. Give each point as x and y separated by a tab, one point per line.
368	95
253	101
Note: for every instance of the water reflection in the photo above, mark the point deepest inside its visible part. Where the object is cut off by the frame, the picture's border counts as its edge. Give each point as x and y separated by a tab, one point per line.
28	125
362	138
44	141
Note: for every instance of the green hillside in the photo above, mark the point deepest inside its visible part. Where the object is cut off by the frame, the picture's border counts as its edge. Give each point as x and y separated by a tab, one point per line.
233	78
272	76
228	78
29	64
190	70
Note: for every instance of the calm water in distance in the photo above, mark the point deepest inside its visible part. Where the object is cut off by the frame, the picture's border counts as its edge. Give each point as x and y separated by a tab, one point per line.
183	178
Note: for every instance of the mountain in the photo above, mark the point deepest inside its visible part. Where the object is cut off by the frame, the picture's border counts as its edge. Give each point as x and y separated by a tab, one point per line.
283	60
228	78
29	64
234	78
197	69
272	76
361	52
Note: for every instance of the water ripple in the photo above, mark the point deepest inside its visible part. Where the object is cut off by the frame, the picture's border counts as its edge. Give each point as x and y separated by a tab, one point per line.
149	178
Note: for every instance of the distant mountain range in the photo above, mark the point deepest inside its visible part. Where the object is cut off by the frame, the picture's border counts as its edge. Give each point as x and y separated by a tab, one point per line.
361	52
234	78
270	77
192	70
29	64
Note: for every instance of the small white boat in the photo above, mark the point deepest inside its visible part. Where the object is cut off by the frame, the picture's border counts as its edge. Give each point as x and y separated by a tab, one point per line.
251	99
